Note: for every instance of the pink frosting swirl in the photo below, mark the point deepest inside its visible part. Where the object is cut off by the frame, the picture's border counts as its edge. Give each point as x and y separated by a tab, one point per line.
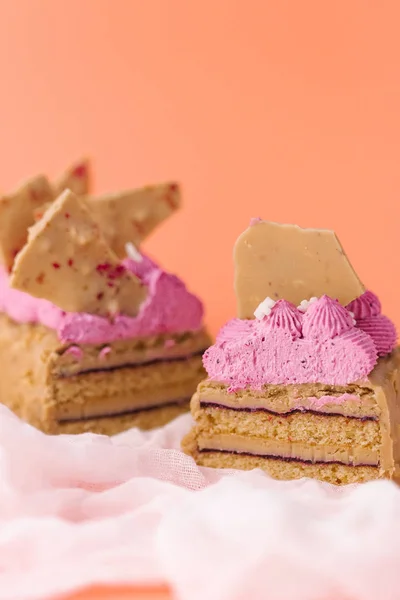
325	319
367	312
234	328
284	316
366	305
382	331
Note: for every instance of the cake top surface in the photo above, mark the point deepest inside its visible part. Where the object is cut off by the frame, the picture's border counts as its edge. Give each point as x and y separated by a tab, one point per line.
334	335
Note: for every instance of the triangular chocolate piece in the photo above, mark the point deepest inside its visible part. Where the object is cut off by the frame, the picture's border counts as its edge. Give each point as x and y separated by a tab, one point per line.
131	216
286	261
17	214
76	178
67	261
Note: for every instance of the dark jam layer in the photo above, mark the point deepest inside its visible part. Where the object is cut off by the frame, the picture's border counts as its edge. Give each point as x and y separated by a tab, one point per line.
286	414
289	459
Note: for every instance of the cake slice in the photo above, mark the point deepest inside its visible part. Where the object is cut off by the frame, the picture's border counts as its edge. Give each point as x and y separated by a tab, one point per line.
308	388
91	341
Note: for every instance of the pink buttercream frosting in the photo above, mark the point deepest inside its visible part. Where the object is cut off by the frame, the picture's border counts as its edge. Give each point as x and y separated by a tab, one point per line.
367	313
286	318
326	319
168	308
366	305
286	347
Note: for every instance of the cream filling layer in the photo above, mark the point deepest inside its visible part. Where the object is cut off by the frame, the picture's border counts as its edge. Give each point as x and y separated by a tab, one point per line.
295	451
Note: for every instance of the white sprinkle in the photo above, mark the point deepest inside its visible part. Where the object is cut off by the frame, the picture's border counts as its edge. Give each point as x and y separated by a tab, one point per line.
264	308
354	320
304	304
132	252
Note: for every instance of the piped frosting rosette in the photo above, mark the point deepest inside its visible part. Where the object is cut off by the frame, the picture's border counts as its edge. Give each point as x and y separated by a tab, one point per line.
367	313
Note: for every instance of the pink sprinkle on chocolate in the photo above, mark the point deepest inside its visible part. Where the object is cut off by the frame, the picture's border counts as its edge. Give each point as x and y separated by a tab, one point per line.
40	278
118	271
169	343
67	215
169	197
104	352
70	262
56	265
111	285
75	351
100	295
103	267
139	227
109	271
80	171
35	195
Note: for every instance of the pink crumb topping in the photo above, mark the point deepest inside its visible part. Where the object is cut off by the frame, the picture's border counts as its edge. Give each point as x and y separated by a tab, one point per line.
312	402
75	351
104	352
169	343
168	308
80	171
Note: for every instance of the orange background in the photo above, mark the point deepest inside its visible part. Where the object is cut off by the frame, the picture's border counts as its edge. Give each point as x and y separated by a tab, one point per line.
282	109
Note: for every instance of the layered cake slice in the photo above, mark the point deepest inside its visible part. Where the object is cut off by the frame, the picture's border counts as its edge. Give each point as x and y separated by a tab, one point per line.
310	386
91	340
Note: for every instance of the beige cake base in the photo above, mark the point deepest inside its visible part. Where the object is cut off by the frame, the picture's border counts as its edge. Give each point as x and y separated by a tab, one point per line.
143	383
338	434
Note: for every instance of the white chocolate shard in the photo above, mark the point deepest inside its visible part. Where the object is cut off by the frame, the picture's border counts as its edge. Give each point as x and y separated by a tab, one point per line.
132	215
76	178
286	261
17	215
67	261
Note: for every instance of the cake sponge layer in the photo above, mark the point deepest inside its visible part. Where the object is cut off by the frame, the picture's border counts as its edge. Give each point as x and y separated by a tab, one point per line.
302	427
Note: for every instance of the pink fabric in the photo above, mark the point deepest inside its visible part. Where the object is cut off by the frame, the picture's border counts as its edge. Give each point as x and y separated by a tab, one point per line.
134	509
